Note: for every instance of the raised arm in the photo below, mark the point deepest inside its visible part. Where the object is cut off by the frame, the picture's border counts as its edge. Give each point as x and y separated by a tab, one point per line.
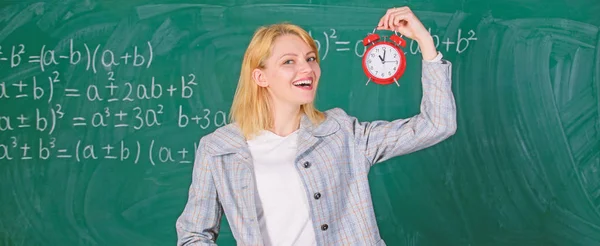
381	140
199	224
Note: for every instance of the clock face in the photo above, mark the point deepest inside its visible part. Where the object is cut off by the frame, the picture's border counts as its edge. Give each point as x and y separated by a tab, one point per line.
382	61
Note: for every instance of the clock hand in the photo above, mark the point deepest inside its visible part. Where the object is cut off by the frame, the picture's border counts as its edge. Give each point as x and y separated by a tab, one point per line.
391	61
381	58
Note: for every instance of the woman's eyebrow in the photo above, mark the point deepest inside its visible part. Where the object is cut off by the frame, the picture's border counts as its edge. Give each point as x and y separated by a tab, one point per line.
293	54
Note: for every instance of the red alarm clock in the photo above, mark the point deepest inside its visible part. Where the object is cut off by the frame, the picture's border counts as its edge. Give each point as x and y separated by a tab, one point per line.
384	62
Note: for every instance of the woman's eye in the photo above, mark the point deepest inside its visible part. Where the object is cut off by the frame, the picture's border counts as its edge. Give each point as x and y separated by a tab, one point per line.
312	59
288	62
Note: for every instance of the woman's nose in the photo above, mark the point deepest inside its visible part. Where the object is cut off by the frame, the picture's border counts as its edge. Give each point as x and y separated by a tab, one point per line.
305	67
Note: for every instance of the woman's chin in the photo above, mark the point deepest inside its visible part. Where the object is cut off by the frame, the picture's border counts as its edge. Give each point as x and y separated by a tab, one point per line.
306	100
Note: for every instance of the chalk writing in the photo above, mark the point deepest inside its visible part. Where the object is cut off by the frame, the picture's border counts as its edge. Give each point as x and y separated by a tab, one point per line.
132	151
111	104
136	118
331	38
131	91
92	56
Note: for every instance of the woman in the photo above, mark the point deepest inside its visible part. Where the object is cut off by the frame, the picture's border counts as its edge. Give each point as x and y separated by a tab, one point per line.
285	173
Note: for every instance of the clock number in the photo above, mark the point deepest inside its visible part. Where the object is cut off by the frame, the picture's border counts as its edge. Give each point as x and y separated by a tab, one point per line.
395	55
394	68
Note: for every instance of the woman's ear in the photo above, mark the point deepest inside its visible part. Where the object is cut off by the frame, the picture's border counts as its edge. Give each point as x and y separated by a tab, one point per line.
259	77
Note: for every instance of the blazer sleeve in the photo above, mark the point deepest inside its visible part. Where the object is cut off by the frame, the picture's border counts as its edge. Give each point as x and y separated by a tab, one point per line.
381	140
199	223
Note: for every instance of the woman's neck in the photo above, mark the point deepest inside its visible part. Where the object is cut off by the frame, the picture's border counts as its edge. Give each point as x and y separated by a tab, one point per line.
285	120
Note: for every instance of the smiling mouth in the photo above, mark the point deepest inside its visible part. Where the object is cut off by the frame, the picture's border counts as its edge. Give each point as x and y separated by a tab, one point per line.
305	83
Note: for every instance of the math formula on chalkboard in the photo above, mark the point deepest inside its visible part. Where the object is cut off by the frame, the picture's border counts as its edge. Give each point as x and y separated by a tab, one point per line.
110	105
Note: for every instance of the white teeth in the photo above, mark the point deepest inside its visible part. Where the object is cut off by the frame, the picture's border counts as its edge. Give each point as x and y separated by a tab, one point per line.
303	82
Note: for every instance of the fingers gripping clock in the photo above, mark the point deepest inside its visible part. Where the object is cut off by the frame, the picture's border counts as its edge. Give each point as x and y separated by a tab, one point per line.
384	62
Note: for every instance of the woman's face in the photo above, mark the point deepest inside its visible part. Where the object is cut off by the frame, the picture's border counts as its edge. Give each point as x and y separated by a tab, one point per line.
291	73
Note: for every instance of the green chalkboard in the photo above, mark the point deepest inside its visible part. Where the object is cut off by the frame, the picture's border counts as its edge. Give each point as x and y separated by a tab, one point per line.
102	104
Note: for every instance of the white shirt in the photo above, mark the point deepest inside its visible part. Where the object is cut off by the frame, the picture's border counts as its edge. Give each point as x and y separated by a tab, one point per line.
281	201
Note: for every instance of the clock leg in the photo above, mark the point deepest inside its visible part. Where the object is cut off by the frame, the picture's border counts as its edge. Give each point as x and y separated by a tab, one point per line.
368	81
396	82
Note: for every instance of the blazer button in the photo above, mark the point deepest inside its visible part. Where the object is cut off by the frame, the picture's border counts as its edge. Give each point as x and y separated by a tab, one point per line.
317	195
306	164
324	227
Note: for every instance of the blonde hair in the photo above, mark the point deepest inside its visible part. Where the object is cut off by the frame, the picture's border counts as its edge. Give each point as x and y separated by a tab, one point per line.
250	108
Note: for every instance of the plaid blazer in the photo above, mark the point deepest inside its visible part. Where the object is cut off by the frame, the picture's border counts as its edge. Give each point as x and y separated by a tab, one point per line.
333	159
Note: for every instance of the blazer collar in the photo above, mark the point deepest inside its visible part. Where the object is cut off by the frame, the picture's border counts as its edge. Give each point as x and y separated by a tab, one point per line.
229	139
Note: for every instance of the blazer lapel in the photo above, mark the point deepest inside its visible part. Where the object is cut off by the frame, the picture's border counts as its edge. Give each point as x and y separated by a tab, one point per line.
230	141
310	135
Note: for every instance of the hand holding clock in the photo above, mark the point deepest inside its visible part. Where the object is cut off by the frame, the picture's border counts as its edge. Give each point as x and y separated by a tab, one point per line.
375	63
404	21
